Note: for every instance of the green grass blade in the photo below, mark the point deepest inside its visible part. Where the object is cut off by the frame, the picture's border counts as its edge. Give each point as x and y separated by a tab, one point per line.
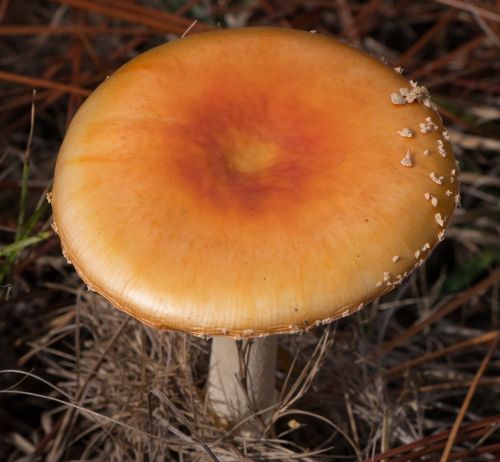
25	177
17	246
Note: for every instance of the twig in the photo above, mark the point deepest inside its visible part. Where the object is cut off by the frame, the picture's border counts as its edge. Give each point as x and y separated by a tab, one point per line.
468	398
430	444
43	83
450	56
426	37
439	313
59	429
471	8
74	30
162	397
479	340
3	8
134	15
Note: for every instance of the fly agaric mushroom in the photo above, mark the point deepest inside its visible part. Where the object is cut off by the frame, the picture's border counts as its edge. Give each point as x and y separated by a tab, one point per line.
249	182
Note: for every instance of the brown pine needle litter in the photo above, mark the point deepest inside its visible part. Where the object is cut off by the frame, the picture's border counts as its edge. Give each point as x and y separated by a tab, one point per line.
413	377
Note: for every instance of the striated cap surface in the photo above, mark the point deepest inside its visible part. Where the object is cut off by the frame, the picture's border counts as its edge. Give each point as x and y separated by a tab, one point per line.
252	181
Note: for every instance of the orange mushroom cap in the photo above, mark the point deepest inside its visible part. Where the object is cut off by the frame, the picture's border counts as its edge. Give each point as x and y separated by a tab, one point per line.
252	181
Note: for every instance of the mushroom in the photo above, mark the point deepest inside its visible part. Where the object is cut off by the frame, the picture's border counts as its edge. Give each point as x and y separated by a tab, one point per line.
242	183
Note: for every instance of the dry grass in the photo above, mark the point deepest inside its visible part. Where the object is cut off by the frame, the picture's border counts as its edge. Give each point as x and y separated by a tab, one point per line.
414	376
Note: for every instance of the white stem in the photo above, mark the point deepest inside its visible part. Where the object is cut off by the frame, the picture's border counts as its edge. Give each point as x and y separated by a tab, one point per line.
237	390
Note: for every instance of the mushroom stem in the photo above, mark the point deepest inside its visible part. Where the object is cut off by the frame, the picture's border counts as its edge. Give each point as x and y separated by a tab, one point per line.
241	379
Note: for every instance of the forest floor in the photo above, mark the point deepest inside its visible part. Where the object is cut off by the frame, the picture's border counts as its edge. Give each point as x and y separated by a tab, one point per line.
412	377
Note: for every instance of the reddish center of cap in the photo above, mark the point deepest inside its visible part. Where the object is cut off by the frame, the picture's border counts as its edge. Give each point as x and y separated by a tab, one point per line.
249	153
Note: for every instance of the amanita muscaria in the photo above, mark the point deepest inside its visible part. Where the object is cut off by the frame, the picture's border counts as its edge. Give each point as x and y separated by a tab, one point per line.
248	182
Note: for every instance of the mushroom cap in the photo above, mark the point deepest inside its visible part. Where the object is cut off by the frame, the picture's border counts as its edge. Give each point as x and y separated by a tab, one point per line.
252	181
